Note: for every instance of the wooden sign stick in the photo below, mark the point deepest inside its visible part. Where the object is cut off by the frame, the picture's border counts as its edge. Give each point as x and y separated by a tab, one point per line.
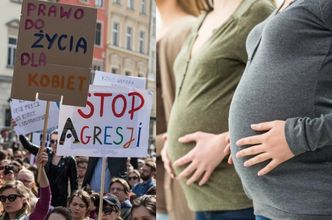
102	187
42	147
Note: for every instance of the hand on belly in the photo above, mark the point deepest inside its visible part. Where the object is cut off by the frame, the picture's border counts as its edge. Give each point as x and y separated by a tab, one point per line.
203	158
271	145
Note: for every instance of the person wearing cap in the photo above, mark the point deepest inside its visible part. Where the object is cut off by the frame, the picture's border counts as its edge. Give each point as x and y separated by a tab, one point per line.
111	208
120	188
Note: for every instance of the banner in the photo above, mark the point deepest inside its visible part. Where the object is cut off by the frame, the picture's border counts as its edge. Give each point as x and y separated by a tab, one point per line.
115	123
110	79
29	116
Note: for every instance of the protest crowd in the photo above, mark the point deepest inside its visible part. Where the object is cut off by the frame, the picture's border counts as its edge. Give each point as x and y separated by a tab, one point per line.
69	187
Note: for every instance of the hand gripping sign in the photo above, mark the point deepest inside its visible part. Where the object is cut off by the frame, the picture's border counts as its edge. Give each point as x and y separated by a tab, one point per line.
54	52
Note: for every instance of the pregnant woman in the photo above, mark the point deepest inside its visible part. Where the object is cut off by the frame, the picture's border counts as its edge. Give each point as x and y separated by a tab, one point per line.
280	117
207	71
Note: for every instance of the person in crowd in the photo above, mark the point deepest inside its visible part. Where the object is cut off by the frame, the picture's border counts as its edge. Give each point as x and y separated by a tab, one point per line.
82	165
60	170
79	203
116	167
133	178
120	188
59	213
9	153
3	155
14	196
130	167
280	117
144	208
28	179
147	173
140	164
17	166
177	19
3	164
18	155
207	71
9	173
111	208
94	205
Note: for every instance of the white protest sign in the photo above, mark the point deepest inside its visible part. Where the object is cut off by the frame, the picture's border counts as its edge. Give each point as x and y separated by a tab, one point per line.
29	116
115	123
110	79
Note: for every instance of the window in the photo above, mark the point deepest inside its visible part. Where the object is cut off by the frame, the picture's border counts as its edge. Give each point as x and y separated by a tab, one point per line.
85	1
8	117
114	70
99	3
141	42
143	11
117	2
115	34
98	34
127	73
154	26
96	67
11	51
131	4
129	38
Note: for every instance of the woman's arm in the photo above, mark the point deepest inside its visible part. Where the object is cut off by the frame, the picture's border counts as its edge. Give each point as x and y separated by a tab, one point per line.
44	200
28	145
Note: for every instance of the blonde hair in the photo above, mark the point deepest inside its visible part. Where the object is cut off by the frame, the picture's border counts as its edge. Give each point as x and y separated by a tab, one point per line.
34	188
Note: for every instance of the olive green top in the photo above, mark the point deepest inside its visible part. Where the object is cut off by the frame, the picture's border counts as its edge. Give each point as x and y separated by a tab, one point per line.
204	88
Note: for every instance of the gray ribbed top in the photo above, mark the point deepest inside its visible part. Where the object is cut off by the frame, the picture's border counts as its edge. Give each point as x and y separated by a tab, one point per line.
289	77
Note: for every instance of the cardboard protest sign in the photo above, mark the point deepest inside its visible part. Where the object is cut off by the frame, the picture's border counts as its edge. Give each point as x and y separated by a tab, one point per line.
115	123
29	116
110	79
54	52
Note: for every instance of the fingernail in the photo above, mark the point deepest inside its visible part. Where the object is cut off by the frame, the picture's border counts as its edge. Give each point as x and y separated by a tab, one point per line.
253	125
260	174
245	164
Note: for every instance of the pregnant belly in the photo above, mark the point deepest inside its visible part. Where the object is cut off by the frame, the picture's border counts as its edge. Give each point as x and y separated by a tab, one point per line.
186	119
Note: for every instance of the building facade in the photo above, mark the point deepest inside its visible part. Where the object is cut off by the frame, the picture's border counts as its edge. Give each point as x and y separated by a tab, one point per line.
9	18
128	37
